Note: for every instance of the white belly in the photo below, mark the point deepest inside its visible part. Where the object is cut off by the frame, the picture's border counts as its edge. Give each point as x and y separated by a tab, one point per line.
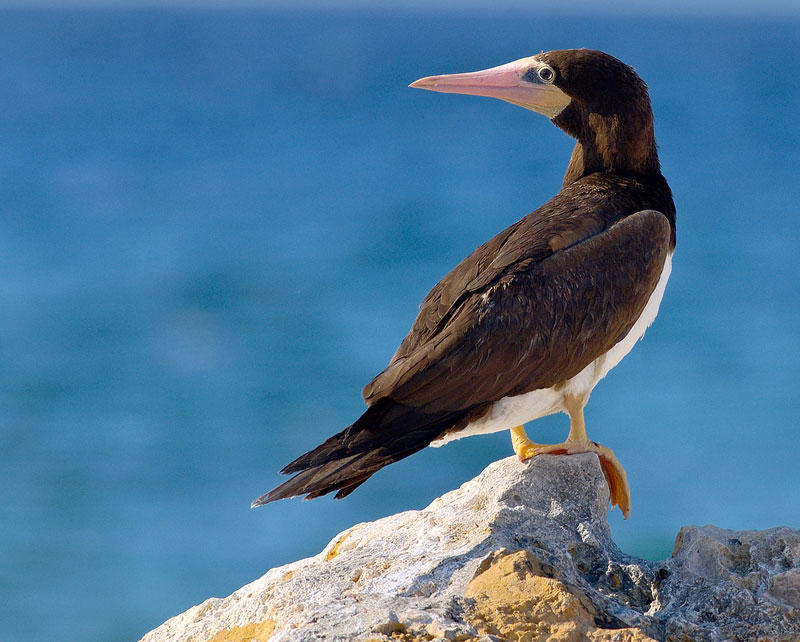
515	411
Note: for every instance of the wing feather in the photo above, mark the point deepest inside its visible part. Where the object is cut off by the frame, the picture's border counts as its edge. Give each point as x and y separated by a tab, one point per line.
533	321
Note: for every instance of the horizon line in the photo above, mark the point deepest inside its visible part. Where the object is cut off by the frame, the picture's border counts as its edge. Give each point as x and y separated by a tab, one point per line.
658	8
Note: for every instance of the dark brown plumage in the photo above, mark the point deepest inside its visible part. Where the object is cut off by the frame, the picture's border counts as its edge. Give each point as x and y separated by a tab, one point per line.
541	301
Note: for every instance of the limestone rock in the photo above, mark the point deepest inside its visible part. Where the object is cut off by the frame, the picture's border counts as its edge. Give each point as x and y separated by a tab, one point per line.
522	552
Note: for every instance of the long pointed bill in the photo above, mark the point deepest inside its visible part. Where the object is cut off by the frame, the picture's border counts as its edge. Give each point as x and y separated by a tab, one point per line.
511	82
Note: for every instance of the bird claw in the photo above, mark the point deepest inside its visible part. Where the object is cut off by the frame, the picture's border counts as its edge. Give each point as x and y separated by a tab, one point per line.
527	451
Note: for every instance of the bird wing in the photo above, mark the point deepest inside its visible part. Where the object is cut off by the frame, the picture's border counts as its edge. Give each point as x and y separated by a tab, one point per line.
530	308
530	240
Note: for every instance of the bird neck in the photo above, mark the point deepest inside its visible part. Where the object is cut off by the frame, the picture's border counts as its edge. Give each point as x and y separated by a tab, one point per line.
612	143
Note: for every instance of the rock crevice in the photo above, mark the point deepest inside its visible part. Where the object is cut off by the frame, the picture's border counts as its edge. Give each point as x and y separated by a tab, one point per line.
522	552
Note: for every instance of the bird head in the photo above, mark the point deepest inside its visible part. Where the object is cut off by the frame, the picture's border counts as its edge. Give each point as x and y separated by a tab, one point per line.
592	96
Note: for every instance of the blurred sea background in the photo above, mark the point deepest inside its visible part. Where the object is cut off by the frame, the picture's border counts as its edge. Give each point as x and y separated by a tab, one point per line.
216	225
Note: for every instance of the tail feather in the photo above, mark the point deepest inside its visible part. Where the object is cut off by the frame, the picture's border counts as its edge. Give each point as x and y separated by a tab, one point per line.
346	490
385	433
358	437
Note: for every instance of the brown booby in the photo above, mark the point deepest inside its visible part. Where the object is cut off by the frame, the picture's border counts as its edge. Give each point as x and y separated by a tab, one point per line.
528	323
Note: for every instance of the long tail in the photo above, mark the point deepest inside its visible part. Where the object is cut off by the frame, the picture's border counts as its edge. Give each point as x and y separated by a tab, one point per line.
385	433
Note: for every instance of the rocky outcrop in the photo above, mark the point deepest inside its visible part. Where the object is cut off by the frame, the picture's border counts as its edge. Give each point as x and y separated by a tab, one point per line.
521	552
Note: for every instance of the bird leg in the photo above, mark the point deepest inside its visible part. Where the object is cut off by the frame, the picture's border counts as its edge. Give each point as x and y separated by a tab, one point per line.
578	442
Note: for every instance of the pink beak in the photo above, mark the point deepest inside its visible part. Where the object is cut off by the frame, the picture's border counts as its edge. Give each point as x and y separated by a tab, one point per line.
506	82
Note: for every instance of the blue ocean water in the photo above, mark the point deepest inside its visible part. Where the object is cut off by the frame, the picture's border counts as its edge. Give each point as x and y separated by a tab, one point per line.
216	226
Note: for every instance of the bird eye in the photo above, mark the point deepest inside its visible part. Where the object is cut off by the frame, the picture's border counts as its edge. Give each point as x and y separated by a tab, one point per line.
546	74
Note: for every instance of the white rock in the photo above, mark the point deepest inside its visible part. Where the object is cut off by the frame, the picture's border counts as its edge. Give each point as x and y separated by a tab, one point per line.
408	573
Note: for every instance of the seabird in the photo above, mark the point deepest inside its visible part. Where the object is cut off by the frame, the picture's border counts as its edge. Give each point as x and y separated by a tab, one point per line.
528	323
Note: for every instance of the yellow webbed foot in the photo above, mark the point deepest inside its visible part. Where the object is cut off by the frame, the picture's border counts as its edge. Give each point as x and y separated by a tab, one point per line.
615	475
523	447
616	478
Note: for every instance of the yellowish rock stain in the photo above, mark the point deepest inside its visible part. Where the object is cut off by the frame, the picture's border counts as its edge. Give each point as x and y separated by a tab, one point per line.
257	632
335	548
513	602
